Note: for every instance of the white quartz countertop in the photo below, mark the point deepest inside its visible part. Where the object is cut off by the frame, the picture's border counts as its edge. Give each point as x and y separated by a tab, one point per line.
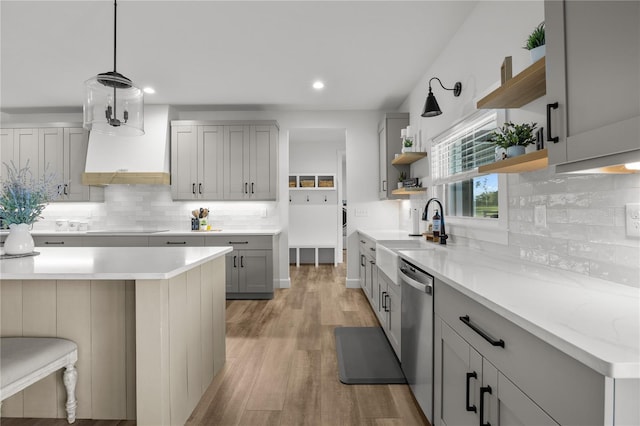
151	232
108	263
594	321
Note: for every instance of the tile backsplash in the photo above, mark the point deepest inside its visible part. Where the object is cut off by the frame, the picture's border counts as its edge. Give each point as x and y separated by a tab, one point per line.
151	207
585	229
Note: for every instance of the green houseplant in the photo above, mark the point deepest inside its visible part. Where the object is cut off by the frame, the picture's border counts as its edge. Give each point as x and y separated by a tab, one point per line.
401	177
513	137
22	200
535	43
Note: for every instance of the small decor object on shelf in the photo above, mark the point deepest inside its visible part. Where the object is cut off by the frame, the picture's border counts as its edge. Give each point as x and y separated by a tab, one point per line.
407	144
22	200
513	138
401	179
536	43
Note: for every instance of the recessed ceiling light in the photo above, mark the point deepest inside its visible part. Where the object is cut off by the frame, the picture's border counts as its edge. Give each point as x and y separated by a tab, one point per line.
318	85
149	90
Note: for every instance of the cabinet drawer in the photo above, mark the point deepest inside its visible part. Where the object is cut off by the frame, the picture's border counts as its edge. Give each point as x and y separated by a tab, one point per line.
367	246
52	241
241	242
180	241
566	389
116	241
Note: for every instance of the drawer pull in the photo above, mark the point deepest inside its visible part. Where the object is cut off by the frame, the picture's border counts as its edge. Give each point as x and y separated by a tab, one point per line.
387	306
372	248
483	390
554	139
362	260
362	241
465	319
54	243
235	265
176	242
470	376
384	299
238	242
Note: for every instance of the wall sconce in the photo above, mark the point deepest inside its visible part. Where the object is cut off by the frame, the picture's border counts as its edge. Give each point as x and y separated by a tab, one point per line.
431	107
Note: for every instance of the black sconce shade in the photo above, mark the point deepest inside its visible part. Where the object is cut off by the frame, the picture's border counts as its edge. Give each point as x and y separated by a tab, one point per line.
431	107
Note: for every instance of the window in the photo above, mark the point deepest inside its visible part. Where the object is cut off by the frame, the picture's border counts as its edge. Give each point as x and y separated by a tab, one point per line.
456	155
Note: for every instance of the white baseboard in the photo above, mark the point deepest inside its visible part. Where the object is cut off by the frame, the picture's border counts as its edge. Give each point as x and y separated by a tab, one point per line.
353	282
282	283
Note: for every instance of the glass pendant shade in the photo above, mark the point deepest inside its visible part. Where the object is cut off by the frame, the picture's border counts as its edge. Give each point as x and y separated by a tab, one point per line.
113	105
431	107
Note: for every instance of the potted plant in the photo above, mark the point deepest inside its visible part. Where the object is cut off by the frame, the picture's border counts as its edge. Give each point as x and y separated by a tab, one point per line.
407	144
535	43
401	177
513	137
22	200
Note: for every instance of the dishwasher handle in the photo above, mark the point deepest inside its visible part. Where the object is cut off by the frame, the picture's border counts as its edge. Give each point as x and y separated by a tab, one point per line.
423	287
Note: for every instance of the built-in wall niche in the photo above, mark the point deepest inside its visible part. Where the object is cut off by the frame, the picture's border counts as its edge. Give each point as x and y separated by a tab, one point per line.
312	182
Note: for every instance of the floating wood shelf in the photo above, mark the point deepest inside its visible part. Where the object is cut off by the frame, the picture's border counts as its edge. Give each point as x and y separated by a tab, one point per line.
406	191
525	87
522	163
408	158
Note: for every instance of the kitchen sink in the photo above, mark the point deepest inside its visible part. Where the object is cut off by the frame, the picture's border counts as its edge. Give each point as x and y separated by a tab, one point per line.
387	255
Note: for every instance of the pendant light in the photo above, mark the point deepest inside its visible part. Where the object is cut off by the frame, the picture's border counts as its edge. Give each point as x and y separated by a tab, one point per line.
431	107
112	103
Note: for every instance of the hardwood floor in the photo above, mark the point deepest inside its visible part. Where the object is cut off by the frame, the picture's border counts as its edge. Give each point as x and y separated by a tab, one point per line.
281	363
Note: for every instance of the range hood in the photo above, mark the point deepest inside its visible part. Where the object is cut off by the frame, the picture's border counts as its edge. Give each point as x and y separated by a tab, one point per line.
132	160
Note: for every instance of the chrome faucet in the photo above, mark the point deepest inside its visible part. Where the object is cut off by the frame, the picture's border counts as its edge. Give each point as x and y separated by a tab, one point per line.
425	216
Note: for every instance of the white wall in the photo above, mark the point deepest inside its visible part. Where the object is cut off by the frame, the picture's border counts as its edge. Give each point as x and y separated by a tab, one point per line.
585	214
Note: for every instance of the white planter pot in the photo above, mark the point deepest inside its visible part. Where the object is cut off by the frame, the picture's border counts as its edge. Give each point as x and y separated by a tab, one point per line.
514	151
500	154
537	53
399	185
19	240
407	149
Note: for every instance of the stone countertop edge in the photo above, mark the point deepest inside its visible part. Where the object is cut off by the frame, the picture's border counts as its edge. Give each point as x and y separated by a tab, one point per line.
98	255
106	233
595	321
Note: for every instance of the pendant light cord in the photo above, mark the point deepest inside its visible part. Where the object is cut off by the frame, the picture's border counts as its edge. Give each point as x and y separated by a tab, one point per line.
115	21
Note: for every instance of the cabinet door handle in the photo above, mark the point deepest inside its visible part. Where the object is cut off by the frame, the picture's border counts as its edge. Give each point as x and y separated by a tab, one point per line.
483	390
373	262
387	305
470	376
246	186
199	188
362	241
242	261
60	190
54	243
235	265
362	260
176	243
494	342
384	185
554	139
66	186
238	242
372	248
384	299
193	188
252	187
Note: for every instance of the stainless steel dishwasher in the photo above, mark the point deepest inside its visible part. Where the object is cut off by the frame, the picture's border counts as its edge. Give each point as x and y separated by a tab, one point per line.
417	333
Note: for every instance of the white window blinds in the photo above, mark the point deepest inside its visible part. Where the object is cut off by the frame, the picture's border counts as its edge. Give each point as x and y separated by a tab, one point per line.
457	153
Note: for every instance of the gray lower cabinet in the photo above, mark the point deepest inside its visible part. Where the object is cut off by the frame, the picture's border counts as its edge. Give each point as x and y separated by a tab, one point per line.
249	266
61	241
526	381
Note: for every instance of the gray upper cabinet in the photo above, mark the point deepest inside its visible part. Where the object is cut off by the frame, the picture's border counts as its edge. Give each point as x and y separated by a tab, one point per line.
58	149
223	160
389	144
592	72
250	153
196	162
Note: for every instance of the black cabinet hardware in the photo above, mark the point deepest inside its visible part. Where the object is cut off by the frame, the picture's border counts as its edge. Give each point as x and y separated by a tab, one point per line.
65	189
252	188
193	188
470	376
494	342
384	299
483	390
554	139
246	185
199	188
238	242
387	305
176	243
235	265
54	243
242	261
362	260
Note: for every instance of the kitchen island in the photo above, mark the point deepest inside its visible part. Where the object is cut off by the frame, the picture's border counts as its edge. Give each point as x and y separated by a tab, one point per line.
148	321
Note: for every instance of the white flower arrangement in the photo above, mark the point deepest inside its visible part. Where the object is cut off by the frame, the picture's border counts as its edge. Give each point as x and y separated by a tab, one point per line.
23	197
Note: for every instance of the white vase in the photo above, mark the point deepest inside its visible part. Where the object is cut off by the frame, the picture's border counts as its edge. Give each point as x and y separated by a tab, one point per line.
500	154
514	151
537	53
19	240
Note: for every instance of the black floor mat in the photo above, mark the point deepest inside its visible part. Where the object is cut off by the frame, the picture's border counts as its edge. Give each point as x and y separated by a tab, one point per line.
366	357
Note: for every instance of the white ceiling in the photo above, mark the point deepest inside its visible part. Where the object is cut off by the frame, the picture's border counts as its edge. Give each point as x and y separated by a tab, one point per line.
258	54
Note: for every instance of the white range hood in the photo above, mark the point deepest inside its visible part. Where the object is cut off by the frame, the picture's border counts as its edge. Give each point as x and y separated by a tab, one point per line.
132	160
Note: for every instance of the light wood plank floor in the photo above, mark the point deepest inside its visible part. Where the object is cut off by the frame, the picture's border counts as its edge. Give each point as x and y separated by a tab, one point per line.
281	363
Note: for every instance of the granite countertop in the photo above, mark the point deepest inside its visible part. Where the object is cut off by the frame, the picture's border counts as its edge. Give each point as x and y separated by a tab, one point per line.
594	321
108	263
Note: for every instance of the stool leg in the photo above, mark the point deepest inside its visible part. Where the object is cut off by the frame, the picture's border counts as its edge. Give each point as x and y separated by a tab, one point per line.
70	378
